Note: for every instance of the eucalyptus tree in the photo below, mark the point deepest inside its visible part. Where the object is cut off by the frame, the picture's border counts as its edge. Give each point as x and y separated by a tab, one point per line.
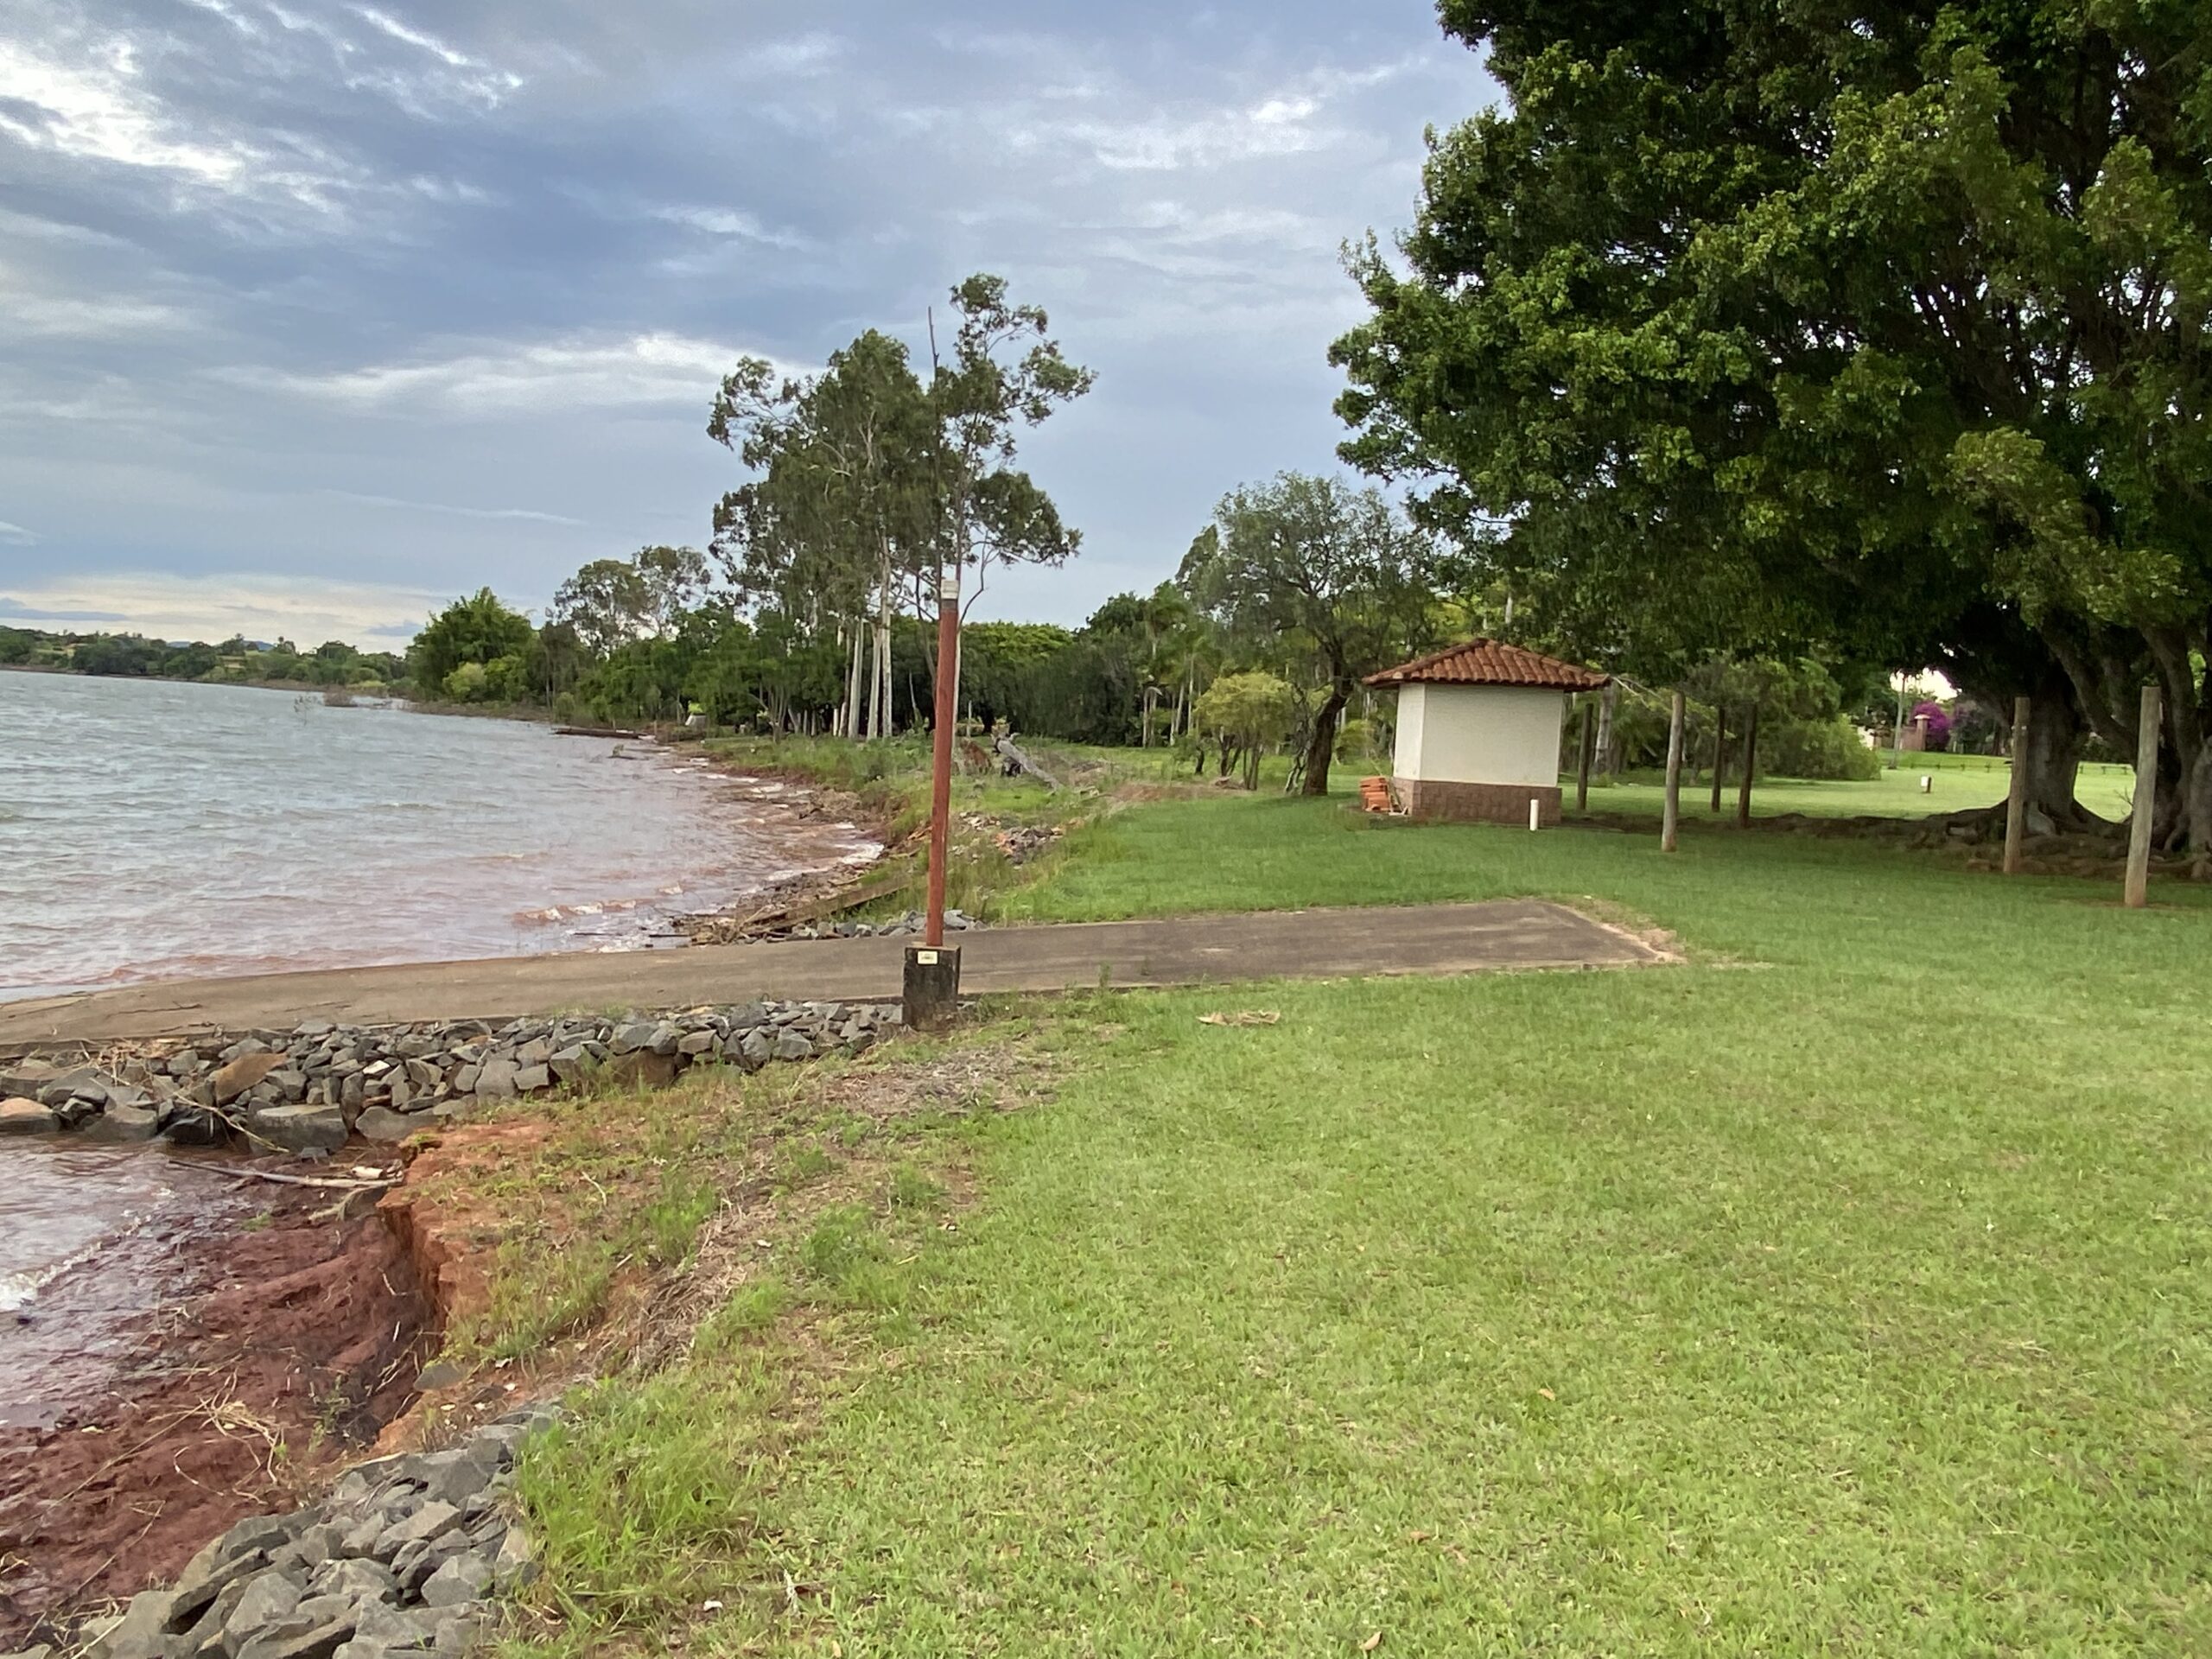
1005	373
1888	321
839	512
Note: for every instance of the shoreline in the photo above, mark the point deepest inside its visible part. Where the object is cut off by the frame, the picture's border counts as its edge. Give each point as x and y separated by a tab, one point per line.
282	1341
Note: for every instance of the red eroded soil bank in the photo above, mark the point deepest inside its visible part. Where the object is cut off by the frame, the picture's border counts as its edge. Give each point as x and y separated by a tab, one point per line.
281	1346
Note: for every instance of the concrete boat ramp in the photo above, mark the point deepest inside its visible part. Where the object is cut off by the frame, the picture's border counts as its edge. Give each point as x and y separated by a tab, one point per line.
1504	934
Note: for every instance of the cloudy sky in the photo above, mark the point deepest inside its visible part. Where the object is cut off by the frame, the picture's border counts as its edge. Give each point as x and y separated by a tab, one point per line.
314	314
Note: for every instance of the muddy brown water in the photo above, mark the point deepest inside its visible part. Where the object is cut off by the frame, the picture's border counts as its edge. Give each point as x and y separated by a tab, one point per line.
90	1240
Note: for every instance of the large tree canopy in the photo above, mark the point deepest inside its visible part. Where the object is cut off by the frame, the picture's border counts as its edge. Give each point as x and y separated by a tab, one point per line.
1883	324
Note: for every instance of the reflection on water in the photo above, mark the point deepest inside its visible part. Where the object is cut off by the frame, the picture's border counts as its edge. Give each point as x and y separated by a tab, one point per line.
150	830
84	1234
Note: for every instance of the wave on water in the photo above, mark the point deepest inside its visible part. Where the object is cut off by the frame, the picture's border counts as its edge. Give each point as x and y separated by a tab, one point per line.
18	1290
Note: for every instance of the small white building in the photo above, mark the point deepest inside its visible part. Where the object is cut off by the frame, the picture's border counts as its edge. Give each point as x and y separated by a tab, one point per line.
1478	731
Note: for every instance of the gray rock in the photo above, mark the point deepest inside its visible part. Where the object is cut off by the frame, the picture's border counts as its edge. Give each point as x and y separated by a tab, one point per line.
460	1626
464	1080
125	1122
463	1579
316	1546
29	1077
514	1564
641	1069
532	1079
142	1631
206	1636
352	1091
422	1075
791	1045
666	1037
265	1598
496	1080
536	1052
423	1525
22	1116
571	1063
393	1632
756	1048
355	1579
195	1126
292	1084
42	1651
378	1123
297	1639
696	1043
455	1476
631	1036
300	1128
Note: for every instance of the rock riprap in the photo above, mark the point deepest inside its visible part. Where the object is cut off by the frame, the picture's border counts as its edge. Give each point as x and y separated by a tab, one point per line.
308	1091
408	1555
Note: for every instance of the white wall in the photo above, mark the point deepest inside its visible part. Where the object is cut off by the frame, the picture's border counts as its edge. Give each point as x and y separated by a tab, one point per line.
1405	753
1479	734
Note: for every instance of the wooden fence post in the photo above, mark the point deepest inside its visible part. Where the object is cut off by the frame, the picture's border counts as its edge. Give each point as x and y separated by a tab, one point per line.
1751	763
2146	801
2016	805
1582	770
1670	825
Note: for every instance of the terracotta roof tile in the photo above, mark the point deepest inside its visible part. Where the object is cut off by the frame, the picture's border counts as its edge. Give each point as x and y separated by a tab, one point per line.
1491	661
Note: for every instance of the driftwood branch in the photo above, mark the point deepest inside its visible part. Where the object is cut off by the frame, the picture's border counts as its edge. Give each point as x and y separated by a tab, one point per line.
1005	746
378	1185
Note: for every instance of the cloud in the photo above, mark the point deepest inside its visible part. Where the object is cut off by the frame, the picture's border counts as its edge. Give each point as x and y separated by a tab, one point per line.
521	515
576	374
16	535
95	108
730	222
259	605
22	613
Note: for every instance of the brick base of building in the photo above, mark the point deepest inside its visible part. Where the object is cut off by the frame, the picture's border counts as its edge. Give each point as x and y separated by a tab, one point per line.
1434	799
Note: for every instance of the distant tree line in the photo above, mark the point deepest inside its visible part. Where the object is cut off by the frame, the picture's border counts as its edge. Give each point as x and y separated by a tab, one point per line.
235	661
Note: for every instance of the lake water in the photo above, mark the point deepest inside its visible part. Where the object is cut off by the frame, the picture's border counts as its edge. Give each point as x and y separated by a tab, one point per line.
151	830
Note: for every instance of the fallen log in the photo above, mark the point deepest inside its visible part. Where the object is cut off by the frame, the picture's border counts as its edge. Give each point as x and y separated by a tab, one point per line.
1005	746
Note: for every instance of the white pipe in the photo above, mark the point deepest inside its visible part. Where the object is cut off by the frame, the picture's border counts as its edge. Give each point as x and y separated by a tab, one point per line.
1535	812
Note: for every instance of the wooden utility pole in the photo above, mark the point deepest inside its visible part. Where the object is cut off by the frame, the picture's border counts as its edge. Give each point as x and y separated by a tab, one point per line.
1670	825
2016	804
2146	801
1751	761
932	980
1582	770
1719	752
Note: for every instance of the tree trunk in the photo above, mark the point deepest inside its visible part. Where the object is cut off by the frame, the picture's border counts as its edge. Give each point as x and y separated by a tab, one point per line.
1151	699
1719	752
1321	742
1582	756
880	681
850	719
1609	759
1750	764
1670	820
2054	759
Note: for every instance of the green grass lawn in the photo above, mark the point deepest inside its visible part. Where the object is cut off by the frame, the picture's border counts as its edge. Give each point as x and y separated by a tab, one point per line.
1957	782
1842	1290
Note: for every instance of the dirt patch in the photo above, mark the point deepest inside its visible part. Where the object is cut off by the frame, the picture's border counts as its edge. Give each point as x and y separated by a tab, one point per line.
281	1346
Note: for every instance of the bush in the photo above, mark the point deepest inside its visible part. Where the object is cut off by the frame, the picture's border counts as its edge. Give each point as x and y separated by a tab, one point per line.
1817	749
1360	742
